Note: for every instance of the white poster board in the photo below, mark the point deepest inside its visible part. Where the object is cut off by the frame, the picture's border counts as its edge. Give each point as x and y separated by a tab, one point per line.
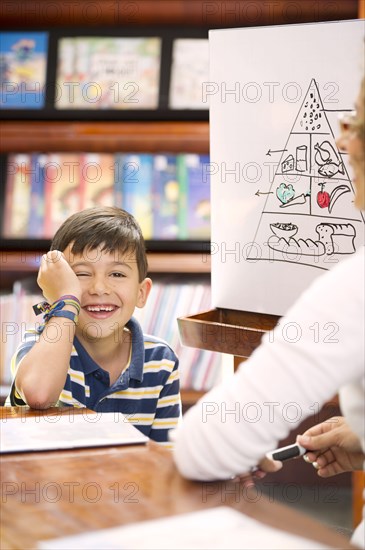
282	195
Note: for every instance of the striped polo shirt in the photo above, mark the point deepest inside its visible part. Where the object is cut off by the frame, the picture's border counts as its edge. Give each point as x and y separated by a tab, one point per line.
147	392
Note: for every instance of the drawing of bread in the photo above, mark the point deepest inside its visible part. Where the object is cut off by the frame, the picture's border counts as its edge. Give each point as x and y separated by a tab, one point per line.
295	247
311	248
338	238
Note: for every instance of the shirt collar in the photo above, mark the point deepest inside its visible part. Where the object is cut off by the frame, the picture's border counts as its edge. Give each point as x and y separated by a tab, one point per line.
137	357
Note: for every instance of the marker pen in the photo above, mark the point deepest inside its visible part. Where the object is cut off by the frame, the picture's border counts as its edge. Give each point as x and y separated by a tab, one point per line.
284	453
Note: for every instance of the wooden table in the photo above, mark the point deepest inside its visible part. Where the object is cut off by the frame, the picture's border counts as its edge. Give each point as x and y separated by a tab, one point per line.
59	493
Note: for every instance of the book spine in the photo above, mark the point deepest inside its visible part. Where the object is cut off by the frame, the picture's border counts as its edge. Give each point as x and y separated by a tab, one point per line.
198	203
142	203
118	180
20	207
50	176
11	169
165	197
182	178
36	217
130	175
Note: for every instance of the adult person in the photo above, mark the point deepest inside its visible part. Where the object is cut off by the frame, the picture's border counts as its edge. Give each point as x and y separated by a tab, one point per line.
219	437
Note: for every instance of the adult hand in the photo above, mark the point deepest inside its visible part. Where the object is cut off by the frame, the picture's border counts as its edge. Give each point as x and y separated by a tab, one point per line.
264	467
333	447
267	466
56	277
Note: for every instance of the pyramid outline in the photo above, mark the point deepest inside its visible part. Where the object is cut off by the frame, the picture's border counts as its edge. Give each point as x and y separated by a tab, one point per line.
307	174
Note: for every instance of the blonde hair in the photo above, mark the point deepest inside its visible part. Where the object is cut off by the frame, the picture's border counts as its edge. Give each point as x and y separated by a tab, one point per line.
362	109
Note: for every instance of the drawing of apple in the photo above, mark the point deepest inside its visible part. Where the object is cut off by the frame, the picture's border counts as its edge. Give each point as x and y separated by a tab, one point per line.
323	198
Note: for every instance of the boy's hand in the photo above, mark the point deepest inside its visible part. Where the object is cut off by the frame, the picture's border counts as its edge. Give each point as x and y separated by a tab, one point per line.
56	278
333	448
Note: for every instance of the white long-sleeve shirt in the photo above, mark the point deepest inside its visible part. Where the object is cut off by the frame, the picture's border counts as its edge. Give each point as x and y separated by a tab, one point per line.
315	350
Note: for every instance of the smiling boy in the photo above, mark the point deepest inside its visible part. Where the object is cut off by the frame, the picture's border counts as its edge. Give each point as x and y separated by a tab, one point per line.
91	352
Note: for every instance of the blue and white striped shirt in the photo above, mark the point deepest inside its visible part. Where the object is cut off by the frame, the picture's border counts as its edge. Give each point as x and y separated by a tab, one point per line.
147	392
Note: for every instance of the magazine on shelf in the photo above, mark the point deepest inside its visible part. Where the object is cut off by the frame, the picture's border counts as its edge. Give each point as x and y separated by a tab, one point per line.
108	73
189	72
23	59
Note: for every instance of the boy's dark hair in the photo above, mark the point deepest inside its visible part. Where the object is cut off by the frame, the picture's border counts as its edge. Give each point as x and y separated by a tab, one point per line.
110	227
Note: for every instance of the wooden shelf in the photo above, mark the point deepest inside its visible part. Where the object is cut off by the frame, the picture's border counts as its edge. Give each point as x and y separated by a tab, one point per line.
159	262
64	136
214	13
226	330
178	262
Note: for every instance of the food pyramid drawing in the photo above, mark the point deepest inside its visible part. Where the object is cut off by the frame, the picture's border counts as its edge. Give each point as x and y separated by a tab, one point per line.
309	217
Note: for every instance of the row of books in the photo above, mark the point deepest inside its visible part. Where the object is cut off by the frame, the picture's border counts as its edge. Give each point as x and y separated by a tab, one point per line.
168	194
101	72
199	369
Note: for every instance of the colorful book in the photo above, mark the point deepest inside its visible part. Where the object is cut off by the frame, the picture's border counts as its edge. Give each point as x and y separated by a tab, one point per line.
118	180
36	215
194	200
51	174
11	169
182	178
23	66
108	73
19	197
137	175
66	198
165	189
97	180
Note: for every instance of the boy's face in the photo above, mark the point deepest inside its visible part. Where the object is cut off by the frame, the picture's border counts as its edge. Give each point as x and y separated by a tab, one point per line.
110	291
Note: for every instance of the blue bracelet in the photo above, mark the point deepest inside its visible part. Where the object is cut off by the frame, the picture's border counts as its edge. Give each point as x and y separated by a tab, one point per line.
66	314
58	313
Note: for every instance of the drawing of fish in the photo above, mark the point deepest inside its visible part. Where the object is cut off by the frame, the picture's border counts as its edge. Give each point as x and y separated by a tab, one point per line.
330	169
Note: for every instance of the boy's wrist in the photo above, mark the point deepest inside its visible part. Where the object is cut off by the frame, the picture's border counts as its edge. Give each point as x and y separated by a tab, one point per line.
65	314
69	300
68	307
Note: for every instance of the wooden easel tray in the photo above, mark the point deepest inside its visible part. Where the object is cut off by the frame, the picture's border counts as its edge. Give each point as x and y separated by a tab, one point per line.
225	330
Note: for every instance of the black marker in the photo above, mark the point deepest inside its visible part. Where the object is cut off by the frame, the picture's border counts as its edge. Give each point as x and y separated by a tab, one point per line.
284	453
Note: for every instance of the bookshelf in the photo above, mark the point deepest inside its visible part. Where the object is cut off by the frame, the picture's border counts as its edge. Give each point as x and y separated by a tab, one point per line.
184	131
159	131
154	132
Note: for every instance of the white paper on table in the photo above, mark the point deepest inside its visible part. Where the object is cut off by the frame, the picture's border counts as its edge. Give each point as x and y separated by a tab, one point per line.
216	528
51	432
